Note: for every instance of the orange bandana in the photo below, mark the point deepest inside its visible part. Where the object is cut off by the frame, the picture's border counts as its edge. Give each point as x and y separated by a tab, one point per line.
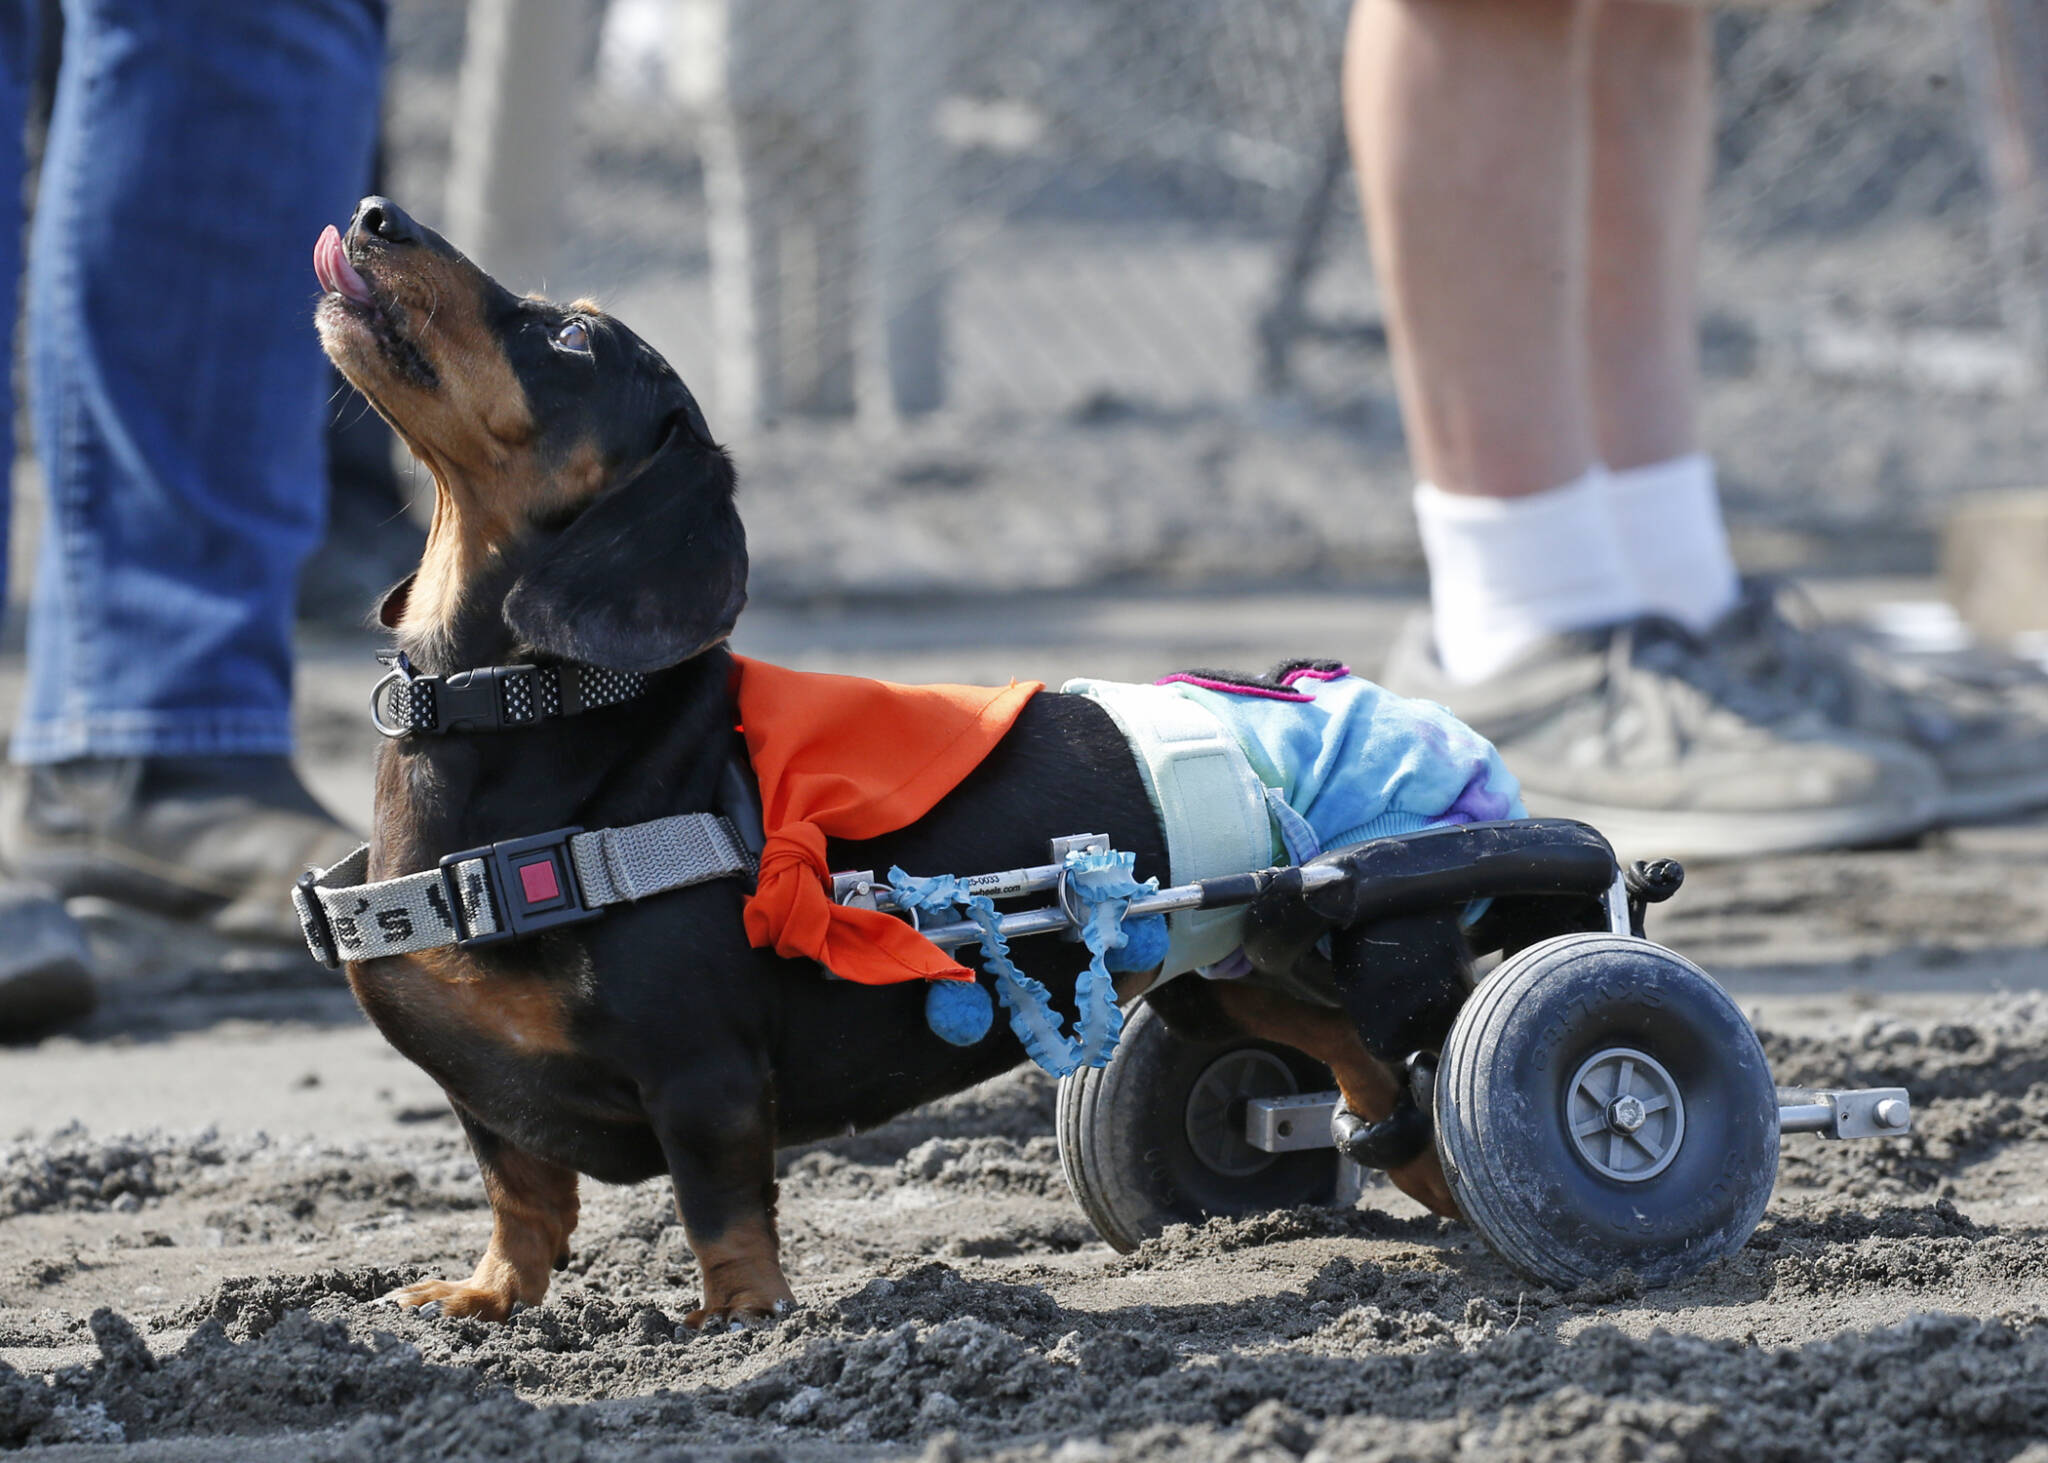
845	757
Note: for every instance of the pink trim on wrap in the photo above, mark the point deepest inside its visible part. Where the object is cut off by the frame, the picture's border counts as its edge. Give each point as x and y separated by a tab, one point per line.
1310	673
1232	688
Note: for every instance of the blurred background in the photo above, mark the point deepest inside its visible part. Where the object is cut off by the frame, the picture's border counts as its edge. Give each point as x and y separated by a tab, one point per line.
1074	292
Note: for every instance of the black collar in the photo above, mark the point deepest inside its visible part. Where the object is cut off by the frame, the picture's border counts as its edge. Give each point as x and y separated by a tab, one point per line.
491	697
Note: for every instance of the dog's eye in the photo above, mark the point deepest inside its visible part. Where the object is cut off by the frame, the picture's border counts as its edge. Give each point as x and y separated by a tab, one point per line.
574	336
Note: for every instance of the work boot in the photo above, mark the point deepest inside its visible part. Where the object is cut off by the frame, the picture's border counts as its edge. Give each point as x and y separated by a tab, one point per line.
1641	731
214	838
1987	733
45	969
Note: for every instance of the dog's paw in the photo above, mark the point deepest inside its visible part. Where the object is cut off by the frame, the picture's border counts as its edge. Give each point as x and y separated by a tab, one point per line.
453	1299
1422	1179
743	1313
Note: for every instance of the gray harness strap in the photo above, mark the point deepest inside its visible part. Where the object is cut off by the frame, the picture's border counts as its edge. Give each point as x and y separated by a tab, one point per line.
515	887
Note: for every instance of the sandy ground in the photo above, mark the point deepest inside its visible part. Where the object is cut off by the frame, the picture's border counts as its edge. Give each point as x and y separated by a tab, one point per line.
202	1195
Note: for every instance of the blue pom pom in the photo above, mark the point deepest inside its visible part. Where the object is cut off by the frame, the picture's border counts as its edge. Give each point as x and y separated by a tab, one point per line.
1144	944
959	1011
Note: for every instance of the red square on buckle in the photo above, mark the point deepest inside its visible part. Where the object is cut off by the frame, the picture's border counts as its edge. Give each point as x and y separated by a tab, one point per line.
537	881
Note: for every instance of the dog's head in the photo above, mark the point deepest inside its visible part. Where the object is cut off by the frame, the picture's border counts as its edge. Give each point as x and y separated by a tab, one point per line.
561	444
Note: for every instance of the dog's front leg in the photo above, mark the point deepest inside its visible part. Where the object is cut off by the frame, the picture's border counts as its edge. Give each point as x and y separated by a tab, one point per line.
533	1213
721	1155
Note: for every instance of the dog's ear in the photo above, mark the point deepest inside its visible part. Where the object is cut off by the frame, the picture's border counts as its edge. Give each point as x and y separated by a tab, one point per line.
651	573
392	608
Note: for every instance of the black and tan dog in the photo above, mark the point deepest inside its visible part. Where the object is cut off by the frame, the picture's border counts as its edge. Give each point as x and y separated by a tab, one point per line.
583	513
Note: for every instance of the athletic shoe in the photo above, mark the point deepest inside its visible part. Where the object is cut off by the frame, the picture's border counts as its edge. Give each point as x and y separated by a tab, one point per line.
1641	732
1983	724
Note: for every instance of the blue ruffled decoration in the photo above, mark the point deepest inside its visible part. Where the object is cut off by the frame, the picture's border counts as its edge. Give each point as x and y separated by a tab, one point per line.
1102	884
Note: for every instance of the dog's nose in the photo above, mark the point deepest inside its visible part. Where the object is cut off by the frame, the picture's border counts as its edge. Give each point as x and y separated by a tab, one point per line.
385	220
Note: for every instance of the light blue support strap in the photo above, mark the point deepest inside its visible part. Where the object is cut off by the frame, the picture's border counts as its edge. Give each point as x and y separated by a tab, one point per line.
1211	804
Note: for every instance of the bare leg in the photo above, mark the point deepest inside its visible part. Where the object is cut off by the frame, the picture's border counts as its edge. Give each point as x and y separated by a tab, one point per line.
1369	1086
533	1213
1651	129
1469	123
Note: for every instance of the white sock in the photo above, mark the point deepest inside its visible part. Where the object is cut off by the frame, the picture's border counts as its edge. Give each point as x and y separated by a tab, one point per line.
1504	573
1673	538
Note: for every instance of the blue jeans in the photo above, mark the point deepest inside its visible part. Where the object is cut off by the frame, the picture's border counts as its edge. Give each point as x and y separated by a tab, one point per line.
175	383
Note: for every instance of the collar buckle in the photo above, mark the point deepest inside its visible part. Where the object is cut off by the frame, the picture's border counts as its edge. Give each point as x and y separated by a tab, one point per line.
474	700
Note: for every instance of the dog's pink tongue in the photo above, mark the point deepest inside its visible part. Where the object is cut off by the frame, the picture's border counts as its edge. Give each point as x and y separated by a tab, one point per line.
338	276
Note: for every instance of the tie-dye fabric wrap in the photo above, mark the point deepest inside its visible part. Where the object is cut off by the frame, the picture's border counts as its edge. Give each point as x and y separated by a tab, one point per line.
1345	760
1352	761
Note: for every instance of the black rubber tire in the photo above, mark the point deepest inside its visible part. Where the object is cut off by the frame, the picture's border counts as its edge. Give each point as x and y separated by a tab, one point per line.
1124	1145
1502	1120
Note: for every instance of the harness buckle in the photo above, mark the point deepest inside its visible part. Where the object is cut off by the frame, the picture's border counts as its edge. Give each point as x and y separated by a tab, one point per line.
531	883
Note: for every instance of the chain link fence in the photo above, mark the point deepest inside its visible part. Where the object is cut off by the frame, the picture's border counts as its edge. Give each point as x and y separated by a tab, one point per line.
1005	295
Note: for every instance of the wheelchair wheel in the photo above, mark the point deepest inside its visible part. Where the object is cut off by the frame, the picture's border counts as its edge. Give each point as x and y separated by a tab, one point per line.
1157	1136
1602	1105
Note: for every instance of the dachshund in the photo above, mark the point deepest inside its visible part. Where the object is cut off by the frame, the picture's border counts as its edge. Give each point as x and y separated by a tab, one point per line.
583	513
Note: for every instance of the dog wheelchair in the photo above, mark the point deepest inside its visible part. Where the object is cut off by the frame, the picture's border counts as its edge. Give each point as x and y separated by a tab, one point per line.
1598	1102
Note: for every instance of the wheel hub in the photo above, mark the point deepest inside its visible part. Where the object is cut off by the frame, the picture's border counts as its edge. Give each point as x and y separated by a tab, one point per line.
1625	1114
1216	1109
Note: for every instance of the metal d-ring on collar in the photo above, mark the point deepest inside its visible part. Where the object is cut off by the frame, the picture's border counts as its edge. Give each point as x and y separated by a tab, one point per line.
400	675
405	703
